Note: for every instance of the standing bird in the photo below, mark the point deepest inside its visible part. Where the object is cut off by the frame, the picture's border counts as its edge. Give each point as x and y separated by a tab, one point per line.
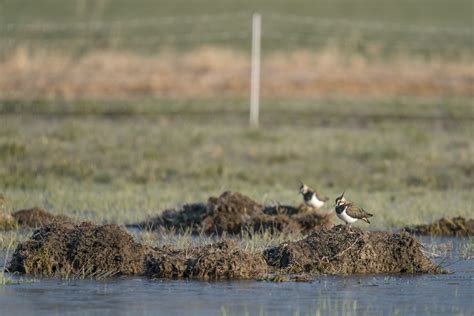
349	213
311	197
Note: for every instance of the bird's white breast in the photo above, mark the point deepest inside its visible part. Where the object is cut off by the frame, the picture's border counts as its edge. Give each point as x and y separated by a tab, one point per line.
346	218
315	202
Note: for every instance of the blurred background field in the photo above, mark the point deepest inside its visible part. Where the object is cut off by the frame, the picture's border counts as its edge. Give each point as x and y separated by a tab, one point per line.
116	110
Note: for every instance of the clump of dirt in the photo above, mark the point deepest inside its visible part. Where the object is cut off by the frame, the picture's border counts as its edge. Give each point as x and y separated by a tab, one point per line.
310	220
343	250
225	260
231	212
189	217
87	250
285	210
234	213
68	249
168	263
220	261
36	217
455	227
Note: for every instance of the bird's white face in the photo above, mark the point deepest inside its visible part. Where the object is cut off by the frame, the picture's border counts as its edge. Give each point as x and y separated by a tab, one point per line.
340	200
303	188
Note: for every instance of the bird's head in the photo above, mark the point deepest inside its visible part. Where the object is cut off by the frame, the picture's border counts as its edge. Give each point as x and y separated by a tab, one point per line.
303	188
341	199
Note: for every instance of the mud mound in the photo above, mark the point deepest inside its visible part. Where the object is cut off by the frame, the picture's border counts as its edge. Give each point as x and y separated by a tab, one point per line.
87	250
168	263
224	260
308	221
234	213
37	217
456	227
219	261
273	224
343	250
67	249
283	210
189	217
231	212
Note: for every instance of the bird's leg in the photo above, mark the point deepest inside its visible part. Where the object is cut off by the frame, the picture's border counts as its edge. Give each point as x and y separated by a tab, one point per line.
349	227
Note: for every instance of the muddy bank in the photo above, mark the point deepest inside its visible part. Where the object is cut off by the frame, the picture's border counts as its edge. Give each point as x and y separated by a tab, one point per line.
88	250
342	251
234	213
450	227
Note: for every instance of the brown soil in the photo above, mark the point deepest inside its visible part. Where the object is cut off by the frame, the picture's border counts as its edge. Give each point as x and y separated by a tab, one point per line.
456	227
67	249
234	213
87	250
36	217
343	250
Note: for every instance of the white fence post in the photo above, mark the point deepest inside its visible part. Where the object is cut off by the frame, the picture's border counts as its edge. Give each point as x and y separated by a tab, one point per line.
255	71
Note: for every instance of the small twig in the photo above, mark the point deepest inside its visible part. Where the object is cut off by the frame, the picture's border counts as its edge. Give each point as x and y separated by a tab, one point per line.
435	255
340	253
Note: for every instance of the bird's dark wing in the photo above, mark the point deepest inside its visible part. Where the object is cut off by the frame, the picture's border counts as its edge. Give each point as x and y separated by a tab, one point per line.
321	197
357	212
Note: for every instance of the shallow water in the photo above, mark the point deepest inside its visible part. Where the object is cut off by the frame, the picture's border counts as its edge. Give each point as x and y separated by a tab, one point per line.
372	295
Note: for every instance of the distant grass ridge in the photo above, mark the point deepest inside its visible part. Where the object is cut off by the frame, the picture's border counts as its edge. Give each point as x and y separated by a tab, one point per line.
145	26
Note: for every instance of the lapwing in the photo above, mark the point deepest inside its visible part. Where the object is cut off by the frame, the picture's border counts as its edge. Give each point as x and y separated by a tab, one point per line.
311	197
350	213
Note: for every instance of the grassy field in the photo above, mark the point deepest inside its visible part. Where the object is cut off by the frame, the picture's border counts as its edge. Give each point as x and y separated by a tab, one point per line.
380	107
406	160
405	11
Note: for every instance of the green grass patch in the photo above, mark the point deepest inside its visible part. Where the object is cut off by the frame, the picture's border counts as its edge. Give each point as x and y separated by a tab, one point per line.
408	161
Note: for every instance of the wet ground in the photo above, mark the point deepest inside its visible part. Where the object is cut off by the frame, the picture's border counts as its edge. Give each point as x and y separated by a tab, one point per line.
421	294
